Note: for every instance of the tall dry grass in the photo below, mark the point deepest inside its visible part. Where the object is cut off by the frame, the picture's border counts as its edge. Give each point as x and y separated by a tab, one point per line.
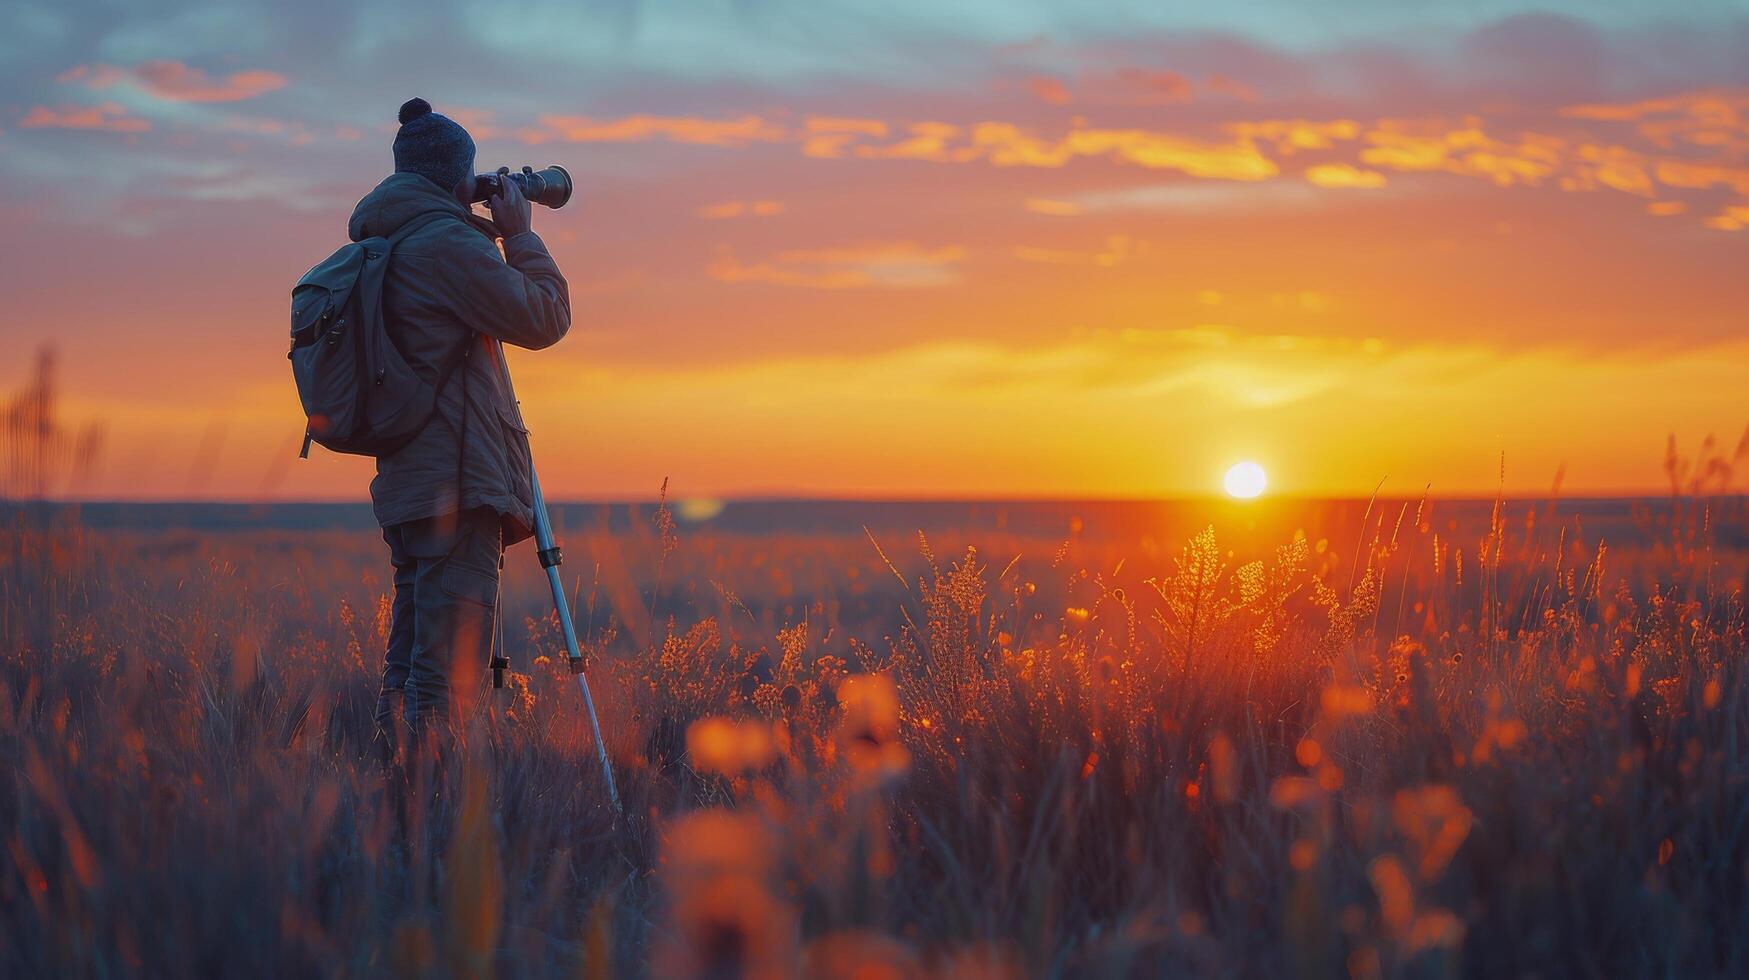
1415	750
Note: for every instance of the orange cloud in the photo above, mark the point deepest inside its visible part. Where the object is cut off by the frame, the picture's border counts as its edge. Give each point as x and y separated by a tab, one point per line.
1043	205
1007	145
1467	150
890	265
1700	176
107	116
1117	249
177	82
1721	105
1291	135
827	136
1000	143
1049	89
1714	118
1126	86
928	141
737	209
1617	168
1344	175
1254	150
173	81
1734	217
678	129
1155	86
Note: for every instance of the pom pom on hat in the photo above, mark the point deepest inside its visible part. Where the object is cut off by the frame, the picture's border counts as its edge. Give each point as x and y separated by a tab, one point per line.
413	109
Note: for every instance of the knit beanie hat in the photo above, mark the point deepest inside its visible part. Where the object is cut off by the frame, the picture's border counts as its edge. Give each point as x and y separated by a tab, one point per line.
434	147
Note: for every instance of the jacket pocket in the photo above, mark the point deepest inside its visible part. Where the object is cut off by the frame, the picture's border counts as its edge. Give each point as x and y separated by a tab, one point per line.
516	455
507	415
467	582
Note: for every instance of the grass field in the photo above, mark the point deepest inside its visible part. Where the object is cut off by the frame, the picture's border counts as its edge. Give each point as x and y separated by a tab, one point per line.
1513	742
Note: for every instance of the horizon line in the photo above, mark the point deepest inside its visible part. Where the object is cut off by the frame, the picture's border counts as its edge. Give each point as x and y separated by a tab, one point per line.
761	498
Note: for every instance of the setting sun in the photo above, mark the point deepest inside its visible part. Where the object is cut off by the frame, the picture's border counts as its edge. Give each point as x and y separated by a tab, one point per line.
1245	480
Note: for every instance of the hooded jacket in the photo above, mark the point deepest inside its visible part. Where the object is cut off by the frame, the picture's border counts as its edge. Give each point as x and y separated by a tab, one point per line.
447	286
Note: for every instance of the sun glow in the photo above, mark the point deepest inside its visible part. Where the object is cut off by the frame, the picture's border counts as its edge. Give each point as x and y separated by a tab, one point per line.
1245	480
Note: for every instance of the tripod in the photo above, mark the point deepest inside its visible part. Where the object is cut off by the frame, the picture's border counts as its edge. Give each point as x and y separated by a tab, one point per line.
551	556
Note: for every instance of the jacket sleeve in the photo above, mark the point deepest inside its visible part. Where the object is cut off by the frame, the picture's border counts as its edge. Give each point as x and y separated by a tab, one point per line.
520	299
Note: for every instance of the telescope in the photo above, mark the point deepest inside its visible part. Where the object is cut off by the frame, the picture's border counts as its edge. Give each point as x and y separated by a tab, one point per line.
550	187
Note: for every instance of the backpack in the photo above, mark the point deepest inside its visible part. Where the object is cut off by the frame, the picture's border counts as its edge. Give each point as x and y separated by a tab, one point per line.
360	395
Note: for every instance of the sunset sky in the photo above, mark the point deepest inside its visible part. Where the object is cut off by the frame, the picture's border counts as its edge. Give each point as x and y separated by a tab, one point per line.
908	248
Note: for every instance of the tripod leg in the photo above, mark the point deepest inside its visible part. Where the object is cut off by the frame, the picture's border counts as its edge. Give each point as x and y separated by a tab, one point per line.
550	557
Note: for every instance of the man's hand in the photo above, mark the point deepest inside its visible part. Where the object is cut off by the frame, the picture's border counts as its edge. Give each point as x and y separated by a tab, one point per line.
510	210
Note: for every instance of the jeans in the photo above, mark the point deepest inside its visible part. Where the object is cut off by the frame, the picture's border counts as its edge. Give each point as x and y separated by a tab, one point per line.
446	594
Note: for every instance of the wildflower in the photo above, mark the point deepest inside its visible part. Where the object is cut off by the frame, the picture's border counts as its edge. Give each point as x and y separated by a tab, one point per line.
767	699
1499	734
725	920
521	696
868	726
1342	701
729	747
716	842
727	927
1396	893
1224	768
1290	792
1436	823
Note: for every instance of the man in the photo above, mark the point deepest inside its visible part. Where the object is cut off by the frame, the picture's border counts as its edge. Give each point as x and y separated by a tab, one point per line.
453	498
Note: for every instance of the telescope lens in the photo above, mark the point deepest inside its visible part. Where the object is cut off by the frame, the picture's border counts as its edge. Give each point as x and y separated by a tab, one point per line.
550	187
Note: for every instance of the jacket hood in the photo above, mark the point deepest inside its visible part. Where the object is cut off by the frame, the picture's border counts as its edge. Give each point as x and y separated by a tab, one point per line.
399	199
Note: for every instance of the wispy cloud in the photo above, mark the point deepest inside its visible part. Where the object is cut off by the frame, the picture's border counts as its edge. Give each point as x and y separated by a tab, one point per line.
1192	196
882	265
740	209
1130	87
826	137
174	81
1052	206
107	116
1711	127
1344	175
679	129
1116	249
1049	89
